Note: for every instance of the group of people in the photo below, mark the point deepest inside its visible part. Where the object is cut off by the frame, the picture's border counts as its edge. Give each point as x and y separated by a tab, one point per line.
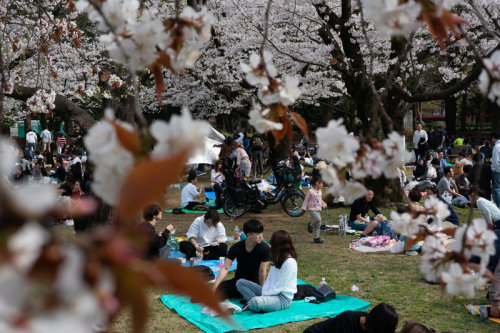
454	182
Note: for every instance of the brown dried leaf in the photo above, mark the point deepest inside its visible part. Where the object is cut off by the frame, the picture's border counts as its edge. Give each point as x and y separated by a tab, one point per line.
160	84
300	122
278	135
333	61
129	140
183	280
147	182
413	241
130	291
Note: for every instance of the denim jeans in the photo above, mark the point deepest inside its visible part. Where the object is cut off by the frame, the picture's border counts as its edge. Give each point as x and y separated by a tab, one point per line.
31	149
252	292
382	228
316	222
456	201
495	188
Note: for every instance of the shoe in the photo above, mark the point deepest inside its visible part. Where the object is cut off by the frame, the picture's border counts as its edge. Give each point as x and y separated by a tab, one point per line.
310	227
318	241
483	312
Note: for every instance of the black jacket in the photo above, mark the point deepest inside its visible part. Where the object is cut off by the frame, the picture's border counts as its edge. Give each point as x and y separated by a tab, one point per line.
155	241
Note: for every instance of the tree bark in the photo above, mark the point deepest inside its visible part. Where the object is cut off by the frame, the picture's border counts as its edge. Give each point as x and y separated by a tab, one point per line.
64	107
463	114
450	108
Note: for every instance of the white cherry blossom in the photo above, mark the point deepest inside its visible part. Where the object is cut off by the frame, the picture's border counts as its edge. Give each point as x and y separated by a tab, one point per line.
491	89
405	224
26	244
290	91
457	281
392	17
335	145
440	209
260	123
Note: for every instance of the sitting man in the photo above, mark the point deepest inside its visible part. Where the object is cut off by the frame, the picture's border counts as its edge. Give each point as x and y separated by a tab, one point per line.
359	221
442	160
444	188
383	318
253	258
190	192
156	241
452	218
439	171
206	237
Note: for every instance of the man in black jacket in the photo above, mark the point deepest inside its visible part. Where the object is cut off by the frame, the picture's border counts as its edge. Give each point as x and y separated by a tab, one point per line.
156	241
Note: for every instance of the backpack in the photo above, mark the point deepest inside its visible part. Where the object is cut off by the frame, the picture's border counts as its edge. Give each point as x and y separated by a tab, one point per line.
324	294
257	143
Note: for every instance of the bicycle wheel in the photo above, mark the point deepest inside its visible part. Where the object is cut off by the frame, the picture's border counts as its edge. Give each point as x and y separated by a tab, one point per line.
292	203
232	210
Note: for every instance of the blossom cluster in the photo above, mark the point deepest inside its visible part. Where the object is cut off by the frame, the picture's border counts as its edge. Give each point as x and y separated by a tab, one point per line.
450	266
361	160
489	80
42	101
392	17
138	38
272	92
113	161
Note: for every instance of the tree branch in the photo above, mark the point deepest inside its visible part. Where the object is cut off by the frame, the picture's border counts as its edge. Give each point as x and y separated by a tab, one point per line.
64	107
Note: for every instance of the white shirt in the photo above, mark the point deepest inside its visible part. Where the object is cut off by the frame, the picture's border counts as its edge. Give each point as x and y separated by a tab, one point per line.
189	192
495	157
417	135
240	138
431	173
216	177
204	234
46	136
76	160
31	137
489	210
282	280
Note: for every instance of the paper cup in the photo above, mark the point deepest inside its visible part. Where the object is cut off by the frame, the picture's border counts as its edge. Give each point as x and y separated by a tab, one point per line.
221	260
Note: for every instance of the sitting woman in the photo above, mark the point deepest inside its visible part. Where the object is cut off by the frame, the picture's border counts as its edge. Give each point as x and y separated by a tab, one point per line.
420	172
281	283
206	237
383	318
155	241
217	178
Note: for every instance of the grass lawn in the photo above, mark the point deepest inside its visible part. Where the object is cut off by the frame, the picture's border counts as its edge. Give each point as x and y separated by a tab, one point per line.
381	277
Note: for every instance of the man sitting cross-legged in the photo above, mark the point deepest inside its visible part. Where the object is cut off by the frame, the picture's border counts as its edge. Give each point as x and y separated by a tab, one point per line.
206	237
359	221
253	258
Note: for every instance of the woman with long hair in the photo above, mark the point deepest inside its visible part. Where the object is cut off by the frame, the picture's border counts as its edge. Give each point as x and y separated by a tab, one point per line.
281	283
242	160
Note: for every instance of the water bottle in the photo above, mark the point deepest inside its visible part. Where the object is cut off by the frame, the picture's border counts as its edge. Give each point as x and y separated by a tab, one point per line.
322	282
342	224
236	233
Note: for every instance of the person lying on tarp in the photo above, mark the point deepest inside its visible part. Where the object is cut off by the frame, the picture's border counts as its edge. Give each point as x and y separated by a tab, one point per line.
206	237
383	318
253	258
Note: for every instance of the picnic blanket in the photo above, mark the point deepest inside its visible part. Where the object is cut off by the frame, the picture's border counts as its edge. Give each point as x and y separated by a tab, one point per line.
248	320
474	310
187	211
214	265
370	244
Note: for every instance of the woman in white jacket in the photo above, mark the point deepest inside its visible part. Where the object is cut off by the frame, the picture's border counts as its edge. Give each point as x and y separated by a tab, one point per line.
281	283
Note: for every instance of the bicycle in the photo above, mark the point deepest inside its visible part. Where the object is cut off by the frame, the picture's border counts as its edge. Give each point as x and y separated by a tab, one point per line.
290	197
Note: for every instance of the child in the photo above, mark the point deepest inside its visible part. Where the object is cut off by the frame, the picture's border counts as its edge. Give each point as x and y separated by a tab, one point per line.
314	204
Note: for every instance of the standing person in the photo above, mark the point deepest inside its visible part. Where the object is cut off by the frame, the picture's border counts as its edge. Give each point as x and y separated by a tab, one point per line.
31	140
242	160
206	238
190	193
152	214
495	168
225	151
61	143
420	140
281	283
383	318
442	139
304	142
432	138
258	156
46	139
252	256
314	204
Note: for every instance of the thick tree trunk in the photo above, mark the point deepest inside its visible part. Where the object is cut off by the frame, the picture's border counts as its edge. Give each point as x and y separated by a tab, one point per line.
463	114
64	108
450	107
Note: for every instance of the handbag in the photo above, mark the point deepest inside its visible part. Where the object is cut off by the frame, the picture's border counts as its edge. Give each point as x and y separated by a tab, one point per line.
324	293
